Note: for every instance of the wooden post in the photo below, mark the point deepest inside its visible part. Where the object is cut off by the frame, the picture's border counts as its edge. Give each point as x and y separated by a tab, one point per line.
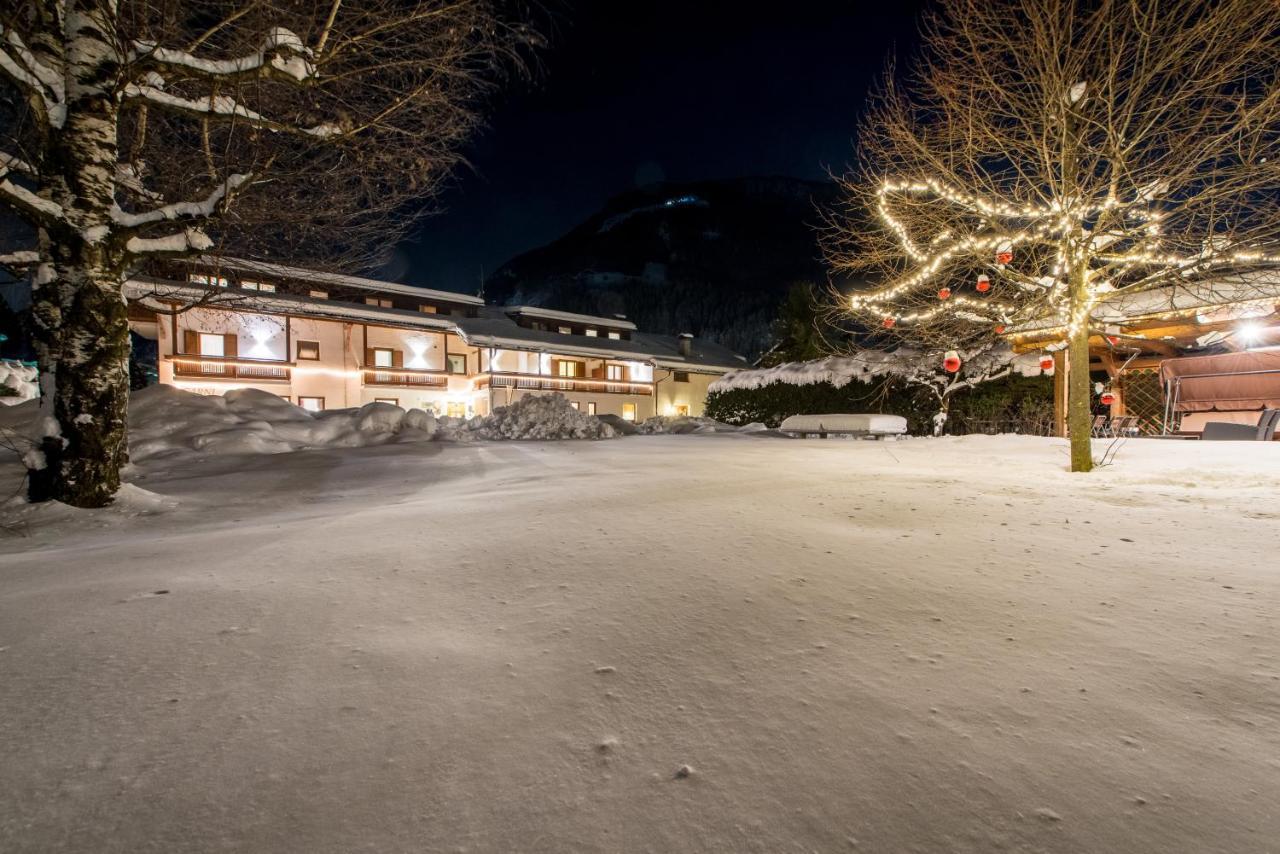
1060	369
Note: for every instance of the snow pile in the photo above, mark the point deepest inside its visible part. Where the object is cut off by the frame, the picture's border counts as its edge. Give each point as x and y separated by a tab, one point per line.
165	420
19	382
531	417
869	365
683	424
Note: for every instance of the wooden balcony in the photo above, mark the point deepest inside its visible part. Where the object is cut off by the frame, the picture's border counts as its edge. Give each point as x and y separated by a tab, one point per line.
404	377
222	368
542	382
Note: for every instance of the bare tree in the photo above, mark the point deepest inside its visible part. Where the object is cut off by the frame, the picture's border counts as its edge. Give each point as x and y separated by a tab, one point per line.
1050	163
140	129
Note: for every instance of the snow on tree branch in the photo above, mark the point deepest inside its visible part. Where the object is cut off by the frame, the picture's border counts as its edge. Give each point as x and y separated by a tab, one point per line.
222	107
185	241
202	209
282	52
21	65
19	260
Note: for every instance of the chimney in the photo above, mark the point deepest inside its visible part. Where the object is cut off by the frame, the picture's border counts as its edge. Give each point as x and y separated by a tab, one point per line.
684	344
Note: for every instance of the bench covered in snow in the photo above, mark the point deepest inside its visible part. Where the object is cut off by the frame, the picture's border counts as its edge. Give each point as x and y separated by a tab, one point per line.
845	425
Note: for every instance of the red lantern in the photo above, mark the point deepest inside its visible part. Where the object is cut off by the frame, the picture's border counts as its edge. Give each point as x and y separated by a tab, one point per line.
1107	399
944	293
1004	256
951	361
984	284
1046	362
888	322
1113	340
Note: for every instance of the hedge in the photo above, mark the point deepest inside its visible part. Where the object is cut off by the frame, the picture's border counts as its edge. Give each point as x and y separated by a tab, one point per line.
1014	404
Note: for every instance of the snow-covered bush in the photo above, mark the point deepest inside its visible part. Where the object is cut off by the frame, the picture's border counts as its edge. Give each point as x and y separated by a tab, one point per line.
681	424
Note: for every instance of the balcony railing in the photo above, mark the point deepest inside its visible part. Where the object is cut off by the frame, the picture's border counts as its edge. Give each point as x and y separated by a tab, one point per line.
542	382
410	377
222	368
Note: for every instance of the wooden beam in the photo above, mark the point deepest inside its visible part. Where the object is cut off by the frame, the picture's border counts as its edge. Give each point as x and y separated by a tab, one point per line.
1060	367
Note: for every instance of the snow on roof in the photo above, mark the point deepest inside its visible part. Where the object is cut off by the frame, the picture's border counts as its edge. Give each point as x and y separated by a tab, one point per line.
319	277
570	317
142	287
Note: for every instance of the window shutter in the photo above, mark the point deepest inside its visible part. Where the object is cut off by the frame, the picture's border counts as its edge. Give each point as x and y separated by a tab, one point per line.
626	374
555	367
397	358
230	347
597	372
368	357
191	342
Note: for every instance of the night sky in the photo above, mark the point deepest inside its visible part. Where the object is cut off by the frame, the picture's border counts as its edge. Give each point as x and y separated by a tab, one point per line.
631	92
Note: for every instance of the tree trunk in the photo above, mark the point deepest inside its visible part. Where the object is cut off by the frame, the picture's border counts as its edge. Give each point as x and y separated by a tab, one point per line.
1079	419
91	393
80	323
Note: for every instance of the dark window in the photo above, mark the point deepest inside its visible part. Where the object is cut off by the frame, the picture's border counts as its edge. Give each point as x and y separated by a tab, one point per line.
680	376
309	350
456	363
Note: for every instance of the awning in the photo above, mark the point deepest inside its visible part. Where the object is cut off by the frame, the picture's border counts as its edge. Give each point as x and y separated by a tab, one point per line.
1224	383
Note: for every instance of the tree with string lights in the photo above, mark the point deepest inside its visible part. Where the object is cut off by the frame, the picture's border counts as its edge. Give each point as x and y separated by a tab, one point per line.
133	130
1050	163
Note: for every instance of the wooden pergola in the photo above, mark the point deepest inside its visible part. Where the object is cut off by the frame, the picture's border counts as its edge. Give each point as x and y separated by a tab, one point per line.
1140	342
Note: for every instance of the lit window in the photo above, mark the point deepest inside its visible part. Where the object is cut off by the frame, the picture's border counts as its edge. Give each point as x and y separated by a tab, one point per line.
207	281
394	401
591	407
569	369
456	363
319	294
427	309
614	372
380	302
593	333
575	404
457	410
566	330
680	377
628	412
312	404
682	409
265	287
615	336
213	345
384	358
309	350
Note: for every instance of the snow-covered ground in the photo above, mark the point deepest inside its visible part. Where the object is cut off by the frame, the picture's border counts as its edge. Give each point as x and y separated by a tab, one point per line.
920	646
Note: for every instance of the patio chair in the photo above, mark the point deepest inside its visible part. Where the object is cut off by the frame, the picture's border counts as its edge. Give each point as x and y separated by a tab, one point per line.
1223	431
1099	428
1124	425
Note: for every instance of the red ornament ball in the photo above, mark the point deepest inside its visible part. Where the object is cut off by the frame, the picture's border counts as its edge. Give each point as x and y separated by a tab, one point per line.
1004	256
951	361
888	322
1107	398
1046	362
984	284
999	328
944	293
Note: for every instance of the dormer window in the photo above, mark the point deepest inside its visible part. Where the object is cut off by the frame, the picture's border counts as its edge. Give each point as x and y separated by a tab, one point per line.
615	336
319	294
427	309
380	302
566	330
264	287
593	333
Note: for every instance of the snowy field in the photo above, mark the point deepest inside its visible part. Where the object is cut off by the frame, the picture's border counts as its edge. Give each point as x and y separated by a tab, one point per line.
735	643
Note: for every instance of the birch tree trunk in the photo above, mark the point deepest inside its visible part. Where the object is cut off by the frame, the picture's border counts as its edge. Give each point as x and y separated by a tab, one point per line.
81	324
